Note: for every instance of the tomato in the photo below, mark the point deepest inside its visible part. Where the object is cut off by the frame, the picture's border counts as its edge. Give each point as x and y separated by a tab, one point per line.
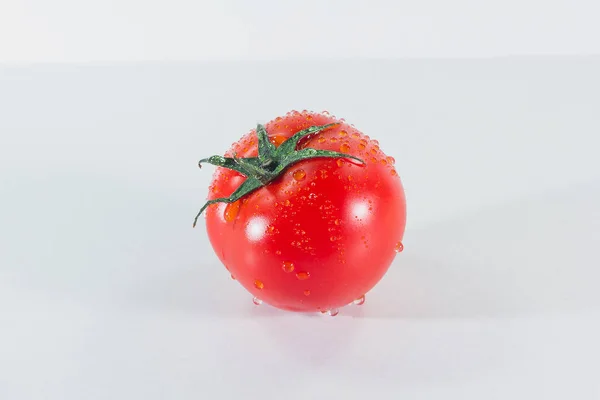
319	233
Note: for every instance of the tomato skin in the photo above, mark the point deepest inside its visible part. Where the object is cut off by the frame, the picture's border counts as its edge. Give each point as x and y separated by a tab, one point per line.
323	233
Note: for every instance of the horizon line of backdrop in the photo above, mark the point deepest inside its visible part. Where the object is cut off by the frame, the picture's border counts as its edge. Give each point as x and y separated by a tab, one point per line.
70	31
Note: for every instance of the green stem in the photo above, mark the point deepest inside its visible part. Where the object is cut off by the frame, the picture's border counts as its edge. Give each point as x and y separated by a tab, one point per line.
270	164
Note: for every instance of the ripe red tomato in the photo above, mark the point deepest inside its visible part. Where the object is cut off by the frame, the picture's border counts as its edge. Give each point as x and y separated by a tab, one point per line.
324	231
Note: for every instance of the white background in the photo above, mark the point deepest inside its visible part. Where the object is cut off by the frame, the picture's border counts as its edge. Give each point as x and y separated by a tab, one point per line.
134	30
107	293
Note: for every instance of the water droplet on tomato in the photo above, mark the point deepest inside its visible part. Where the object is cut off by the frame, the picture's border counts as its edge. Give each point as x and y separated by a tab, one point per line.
312	196
393	172
343	133
390	160
257	301
309	117
303	275
278	252
362	146
287	202
340	162
231	211
271	229
307	292
288	266
299	174
321	139
277	140
332	313
333	139
258	284
344	147
360	301
399	247
337	222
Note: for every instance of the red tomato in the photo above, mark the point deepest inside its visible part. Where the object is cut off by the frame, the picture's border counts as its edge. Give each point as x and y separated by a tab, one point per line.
321	234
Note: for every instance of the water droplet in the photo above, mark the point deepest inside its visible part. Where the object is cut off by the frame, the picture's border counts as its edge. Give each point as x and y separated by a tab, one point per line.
393	172
340	162
288	266
344	147
321	139
217	159
390	160
231	211
312	196
350	177
287	202
355	135
299	174
360	301
382	162
333	312
303	275
309	117
307	292
343	133
257	301
399	247
271	229
277	140
199	165
333	139
258	284
361	146
333	238
232	277
337	222
278	252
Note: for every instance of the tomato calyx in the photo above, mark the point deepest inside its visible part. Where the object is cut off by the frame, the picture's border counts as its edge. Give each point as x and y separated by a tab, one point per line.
271	162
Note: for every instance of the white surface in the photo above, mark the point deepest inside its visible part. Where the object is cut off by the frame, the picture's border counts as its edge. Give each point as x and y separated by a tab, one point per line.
135	30
107	293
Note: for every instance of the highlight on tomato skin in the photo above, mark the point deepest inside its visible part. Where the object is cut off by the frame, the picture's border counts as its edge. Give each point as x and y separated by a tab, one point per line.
307	212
